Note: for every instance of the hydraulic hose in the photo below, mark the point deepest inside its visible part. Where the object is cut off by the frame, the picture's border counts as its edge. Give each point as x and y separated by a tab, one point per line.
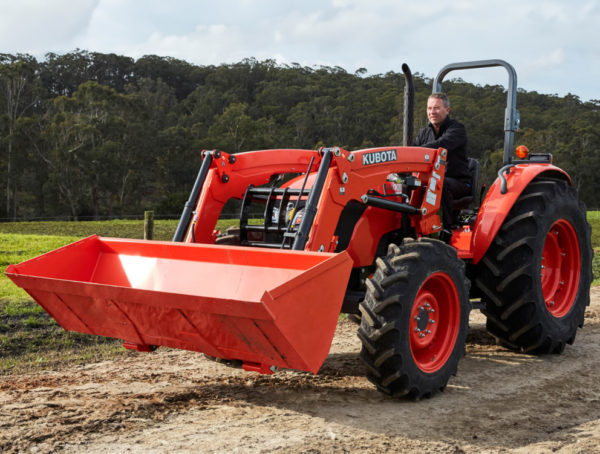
188	209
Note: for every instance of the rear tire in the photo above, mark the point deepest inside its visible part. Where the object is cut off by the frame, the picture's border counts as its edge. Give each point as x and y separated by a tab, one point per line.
529	308
415	318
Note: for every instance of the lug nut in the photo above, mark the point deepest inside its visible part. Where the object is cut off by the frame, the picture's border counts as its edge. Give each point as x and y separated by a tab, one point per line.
417	319
421	308
562	282
543	267
426	304
432	321
417	330
431	311
550	303
427	331
421	335
563	254
556	232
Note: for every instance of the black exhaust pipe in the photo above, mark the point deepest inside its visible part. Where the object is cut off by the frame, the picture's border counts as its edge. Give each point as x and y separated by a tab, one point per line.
409	107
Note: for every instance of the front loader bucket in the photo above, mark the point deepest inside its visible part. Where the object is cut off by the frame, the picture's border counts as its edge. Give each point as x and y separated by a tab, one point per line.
264	307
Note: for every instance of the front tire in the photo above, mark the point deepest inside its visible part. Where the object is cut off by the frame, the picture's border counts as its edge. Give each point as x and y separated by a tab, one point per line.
536	276
415	318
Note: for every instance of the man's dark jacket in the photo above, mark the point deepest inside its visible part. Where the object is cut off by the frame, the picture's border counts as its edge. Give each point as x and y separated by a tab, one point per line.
453	137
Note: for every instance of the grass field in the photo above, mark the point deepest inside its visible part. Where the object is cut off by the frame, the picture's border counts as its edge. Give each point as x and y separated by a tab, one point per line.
163	230
31	340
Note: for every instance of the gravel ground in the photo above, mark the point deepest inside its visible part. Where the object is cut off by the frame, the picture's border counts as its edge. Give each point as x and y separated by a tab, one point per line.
178	402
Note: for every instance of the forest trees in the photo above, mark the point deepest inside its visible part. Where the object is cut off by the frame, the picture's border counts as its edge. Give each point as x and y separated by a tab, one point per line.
87	134
20	91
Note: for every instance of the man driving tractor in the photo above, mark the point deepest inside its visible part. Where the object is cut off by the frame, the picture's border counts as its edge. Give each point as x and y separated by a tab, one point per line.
444	132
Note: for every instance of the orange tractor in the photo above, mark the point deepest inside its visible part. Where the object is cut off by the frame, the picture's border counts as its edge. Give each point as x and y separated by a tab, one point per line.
350	232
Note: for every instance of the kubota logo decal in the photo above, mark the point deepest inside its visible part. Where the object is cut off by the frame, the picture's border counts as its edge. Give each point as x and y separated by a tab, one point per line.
378	157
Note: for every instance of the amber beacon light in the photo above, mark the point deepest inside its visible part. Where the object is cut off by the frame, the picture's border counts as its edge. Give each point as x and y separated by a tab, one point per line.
522	152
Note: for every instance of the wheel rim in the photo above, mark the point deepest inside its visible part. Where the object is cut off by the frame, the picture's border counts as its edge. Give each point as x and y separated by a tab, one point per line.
560	268
434	323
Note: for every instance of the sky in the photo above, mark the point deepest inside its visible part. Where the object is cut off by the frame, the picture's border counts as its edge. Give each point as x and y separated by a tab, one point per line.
553	45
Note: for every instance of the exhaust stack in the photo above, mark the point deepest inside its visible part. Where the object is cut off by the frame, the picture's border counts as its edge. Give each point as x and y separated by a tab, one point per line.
409	107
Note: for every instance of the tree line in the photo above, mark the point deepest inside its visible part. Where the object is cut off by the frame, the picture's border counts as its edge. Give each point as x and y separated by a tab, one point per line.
87	134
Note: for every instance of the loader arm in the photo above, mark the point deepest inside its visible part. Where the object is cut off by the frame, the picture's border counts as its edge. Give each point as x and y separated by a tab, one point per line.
363	172
351	176
226	180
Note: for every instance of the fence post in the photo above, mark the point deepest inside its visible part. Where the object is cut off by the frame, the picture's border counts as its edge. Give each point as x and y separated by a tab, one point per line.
149	225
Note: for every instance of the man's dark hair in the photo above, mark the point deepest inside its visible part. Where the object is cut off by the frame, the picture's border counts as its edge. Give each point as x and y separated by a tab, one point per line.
442	96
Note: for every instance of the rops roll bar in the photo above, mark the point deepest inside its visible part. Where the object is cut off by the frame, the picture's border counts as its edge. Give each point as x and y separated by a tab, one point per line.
511	117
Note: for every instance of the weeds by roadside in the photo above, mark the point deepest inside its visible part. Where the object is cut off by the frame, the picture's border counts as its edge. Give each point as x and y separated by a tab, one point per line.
30	340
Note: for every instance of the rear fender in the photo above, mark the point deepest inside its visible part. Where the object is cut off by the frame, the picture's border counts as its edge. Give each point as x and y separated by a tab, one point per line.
496	206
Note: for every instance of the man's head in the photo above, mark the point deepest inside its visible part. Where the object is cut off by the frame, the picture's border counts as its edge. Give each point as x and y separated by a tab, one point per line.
438	108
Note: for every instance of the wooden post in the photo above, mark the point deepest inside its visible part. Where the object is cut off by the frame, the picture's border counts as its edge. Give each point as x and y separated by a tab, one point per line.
149	225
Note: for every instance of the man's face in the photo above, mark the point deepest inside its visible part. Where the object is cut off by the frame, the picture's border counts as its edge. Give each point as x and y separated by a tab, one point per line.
436	111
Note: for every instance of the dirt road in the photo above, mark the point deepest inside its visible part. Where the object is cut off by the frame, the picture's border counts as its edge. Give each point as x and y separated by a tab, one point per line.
176	402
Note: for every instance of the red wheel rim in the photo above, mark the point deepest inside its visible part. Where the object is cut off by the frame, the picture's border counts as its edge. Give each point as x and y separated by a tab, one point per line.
560	268
434	322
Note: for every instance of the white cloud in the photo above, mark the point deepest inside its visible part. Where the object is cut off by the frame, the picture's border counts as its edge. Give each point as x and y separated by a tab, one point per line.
551	43
37	27
551	60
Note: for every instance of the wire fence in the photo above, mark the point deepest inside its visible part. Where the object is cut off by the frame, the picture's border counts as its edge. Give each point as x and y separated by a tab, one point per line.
132	217
135	217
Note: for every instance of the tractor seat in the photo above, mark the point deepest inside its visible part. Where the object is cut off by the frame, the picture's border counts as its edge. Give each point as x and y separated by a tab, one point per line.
463	204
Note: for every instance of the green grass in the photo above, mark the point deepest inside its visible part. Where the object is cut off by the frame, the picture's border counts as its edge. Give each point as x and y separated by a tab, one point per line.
163	230
16	248
20	241
48	346
29	338
593	218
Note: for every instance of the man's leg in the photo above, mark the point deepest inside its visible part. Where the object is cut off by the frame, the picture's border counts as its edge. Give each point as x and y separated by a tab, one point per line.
453	190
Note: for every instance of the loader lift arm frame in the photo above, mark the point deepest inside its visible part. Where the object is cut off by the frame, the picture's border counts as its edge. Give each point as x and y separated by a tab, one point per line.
342	176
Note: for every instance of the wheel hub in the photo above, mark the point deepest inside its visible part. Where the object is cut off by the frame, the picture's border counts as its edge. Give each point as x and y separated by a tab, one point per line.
435	318
423	320
560	268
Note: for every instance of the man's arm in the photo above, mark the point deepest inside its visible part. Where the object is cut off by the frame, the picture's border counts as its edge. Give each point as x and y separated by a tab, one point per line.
453	137
418	141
